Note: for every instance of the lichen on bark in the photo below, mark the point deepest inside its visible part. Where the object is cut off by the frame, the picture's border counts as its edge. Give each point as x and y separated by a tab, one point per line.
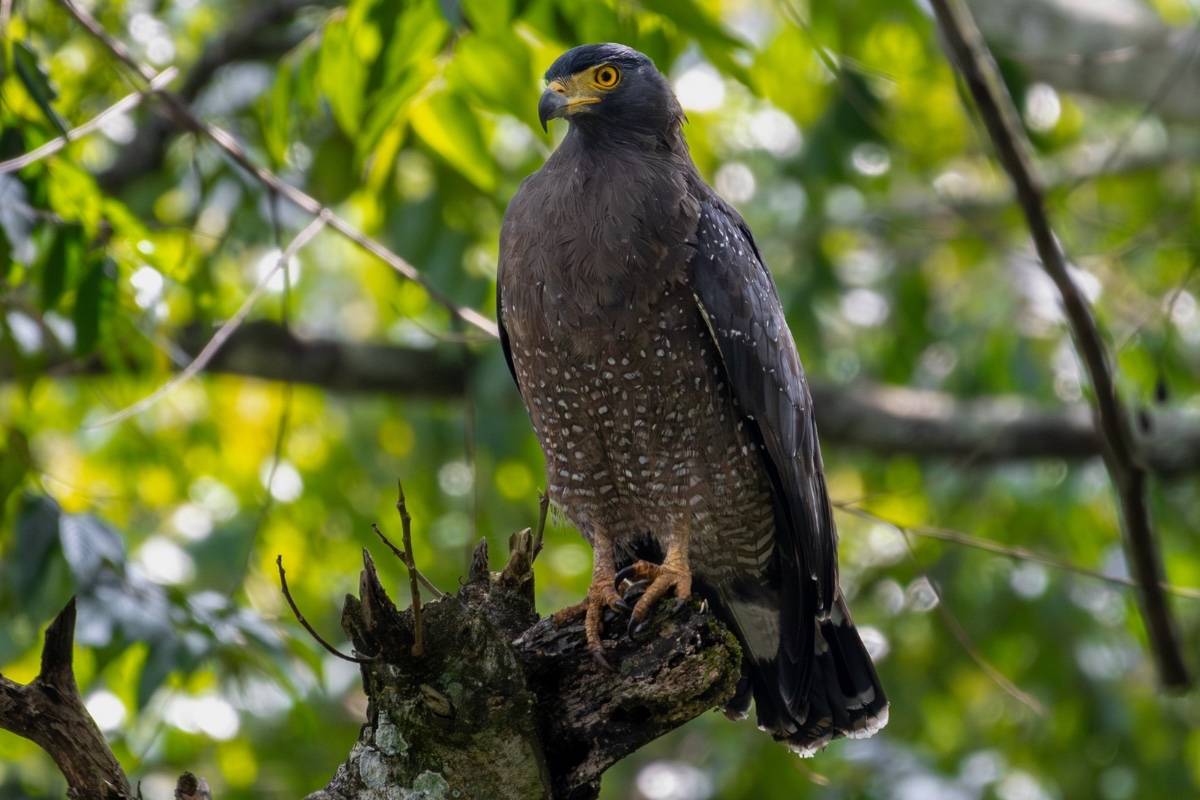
502	704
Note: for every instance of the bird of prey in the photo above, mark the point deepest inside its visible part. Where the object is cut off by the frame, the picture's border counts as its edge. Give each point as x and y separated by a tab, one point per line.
649	345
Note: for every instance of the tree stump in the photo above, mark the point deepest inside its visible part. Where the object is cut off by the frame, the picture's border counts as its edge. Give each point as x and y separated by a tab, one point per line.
502	705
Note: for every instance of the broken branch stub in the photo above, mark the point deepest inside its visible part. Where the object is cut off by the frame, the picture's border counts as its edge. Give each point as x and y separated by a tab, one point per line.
503	705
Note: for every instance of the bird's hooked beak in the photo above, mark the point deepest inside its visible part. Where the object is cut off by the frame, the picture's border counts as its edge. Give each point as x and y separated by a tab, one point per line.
562	98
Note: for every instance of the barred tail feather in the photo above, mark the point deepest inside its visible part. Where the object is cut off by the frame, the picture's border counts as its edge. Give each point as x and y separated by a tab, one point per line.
803	696
845	697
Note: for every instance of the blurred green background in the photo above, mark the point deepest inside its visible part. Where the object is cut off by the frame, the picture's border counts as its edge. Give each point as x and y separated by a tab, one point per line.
837	128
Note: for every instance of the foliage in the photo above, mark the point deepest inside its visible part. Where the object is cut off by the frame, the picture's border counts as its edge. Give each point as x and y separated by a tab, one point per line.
837	129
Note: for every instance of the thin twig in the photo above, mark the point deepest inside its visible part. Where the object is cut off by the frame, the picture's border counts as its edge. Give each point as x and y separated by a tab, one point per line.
971	57
1013	552
540	532
126	103
1165	86
965	641
418	648
1166	313
224	140
221	336
400	554
304	622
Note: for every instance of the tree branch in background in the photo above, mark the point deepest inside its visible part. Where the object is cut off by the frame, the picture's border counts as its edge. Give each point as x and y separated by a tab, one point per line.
887	420
1115	50
1010	551
1064	172
923	422
226	142
973	60
248	38
223	333
126	103
50	713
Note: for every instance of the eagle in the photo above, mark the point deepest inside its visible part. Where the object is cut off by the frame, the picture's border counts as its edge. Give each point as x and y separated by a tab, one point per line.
649	345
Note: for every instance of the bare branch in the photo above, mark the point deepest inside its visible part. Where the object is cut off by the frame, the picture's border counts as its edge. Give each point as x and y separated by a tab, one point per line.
126	103
1009	551
972	59
287	594
1117	50
262	33
224	140
968	645
223	333
882	419
418	648
400	554
49	712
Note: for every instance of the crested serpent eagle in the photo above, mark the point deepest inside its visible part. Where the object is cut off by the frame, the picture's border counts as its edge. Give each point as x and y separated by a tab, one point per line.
648	343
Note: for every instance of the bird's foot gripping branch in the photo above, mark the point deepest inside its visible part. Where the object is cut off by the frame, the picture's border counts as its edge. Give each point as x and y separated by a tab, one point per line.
496	703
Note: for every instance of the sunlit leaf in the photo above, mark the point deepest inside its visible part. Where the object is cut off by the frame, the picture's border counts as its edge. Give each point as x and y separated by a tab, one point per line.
488	16
342	74
37	84
496	72
448	126
712	36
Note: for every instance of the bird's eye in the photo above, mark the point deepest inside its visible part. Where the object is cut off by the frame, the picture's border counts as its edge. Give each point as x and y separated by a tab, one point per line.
607	76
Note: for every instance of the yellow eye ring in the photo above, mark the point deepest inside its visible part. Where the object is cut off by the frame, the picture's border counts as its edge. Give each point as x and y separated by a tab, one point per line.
606	76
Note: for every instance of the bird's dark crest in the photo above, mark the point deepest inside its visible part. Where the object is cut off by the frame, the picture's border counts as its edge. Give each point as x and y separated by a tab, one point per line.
590	55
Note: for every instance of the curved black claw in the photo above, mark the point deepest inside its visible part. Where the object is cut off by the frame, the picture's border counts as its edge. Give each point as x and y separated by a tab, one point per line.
636	627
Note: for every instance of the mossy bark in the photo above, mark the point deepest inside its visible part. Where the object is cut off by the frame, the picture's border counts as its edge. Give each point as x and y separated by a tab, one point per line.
502	705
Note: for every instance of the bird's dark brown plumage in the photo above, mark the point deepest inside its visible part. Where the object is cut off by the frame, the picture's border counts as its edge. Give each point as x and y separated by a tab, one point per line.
649	345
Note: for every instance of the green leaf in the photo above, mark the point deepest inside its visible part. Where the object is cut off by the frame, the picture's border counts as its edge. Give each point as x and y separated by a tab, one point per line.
448	126
332	176
32	573
717	43
495	71
94	299
37	535
348	48
14	466
63	256
489	16
294	96
37	83
6	259
405	67
162	659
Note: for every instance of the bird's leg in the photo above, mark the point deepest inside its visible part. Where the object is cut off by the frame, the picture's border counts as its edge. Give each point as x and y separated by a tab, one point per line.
674	573
602	594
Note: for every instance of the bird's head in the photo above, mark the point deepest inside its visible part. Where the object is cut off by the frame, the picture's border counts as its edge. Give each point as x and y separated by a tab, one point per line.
609	89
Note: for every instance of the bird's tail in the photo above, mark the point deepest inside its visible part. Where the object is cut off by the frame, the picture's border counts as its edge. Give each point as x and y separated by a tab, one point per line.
841	697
